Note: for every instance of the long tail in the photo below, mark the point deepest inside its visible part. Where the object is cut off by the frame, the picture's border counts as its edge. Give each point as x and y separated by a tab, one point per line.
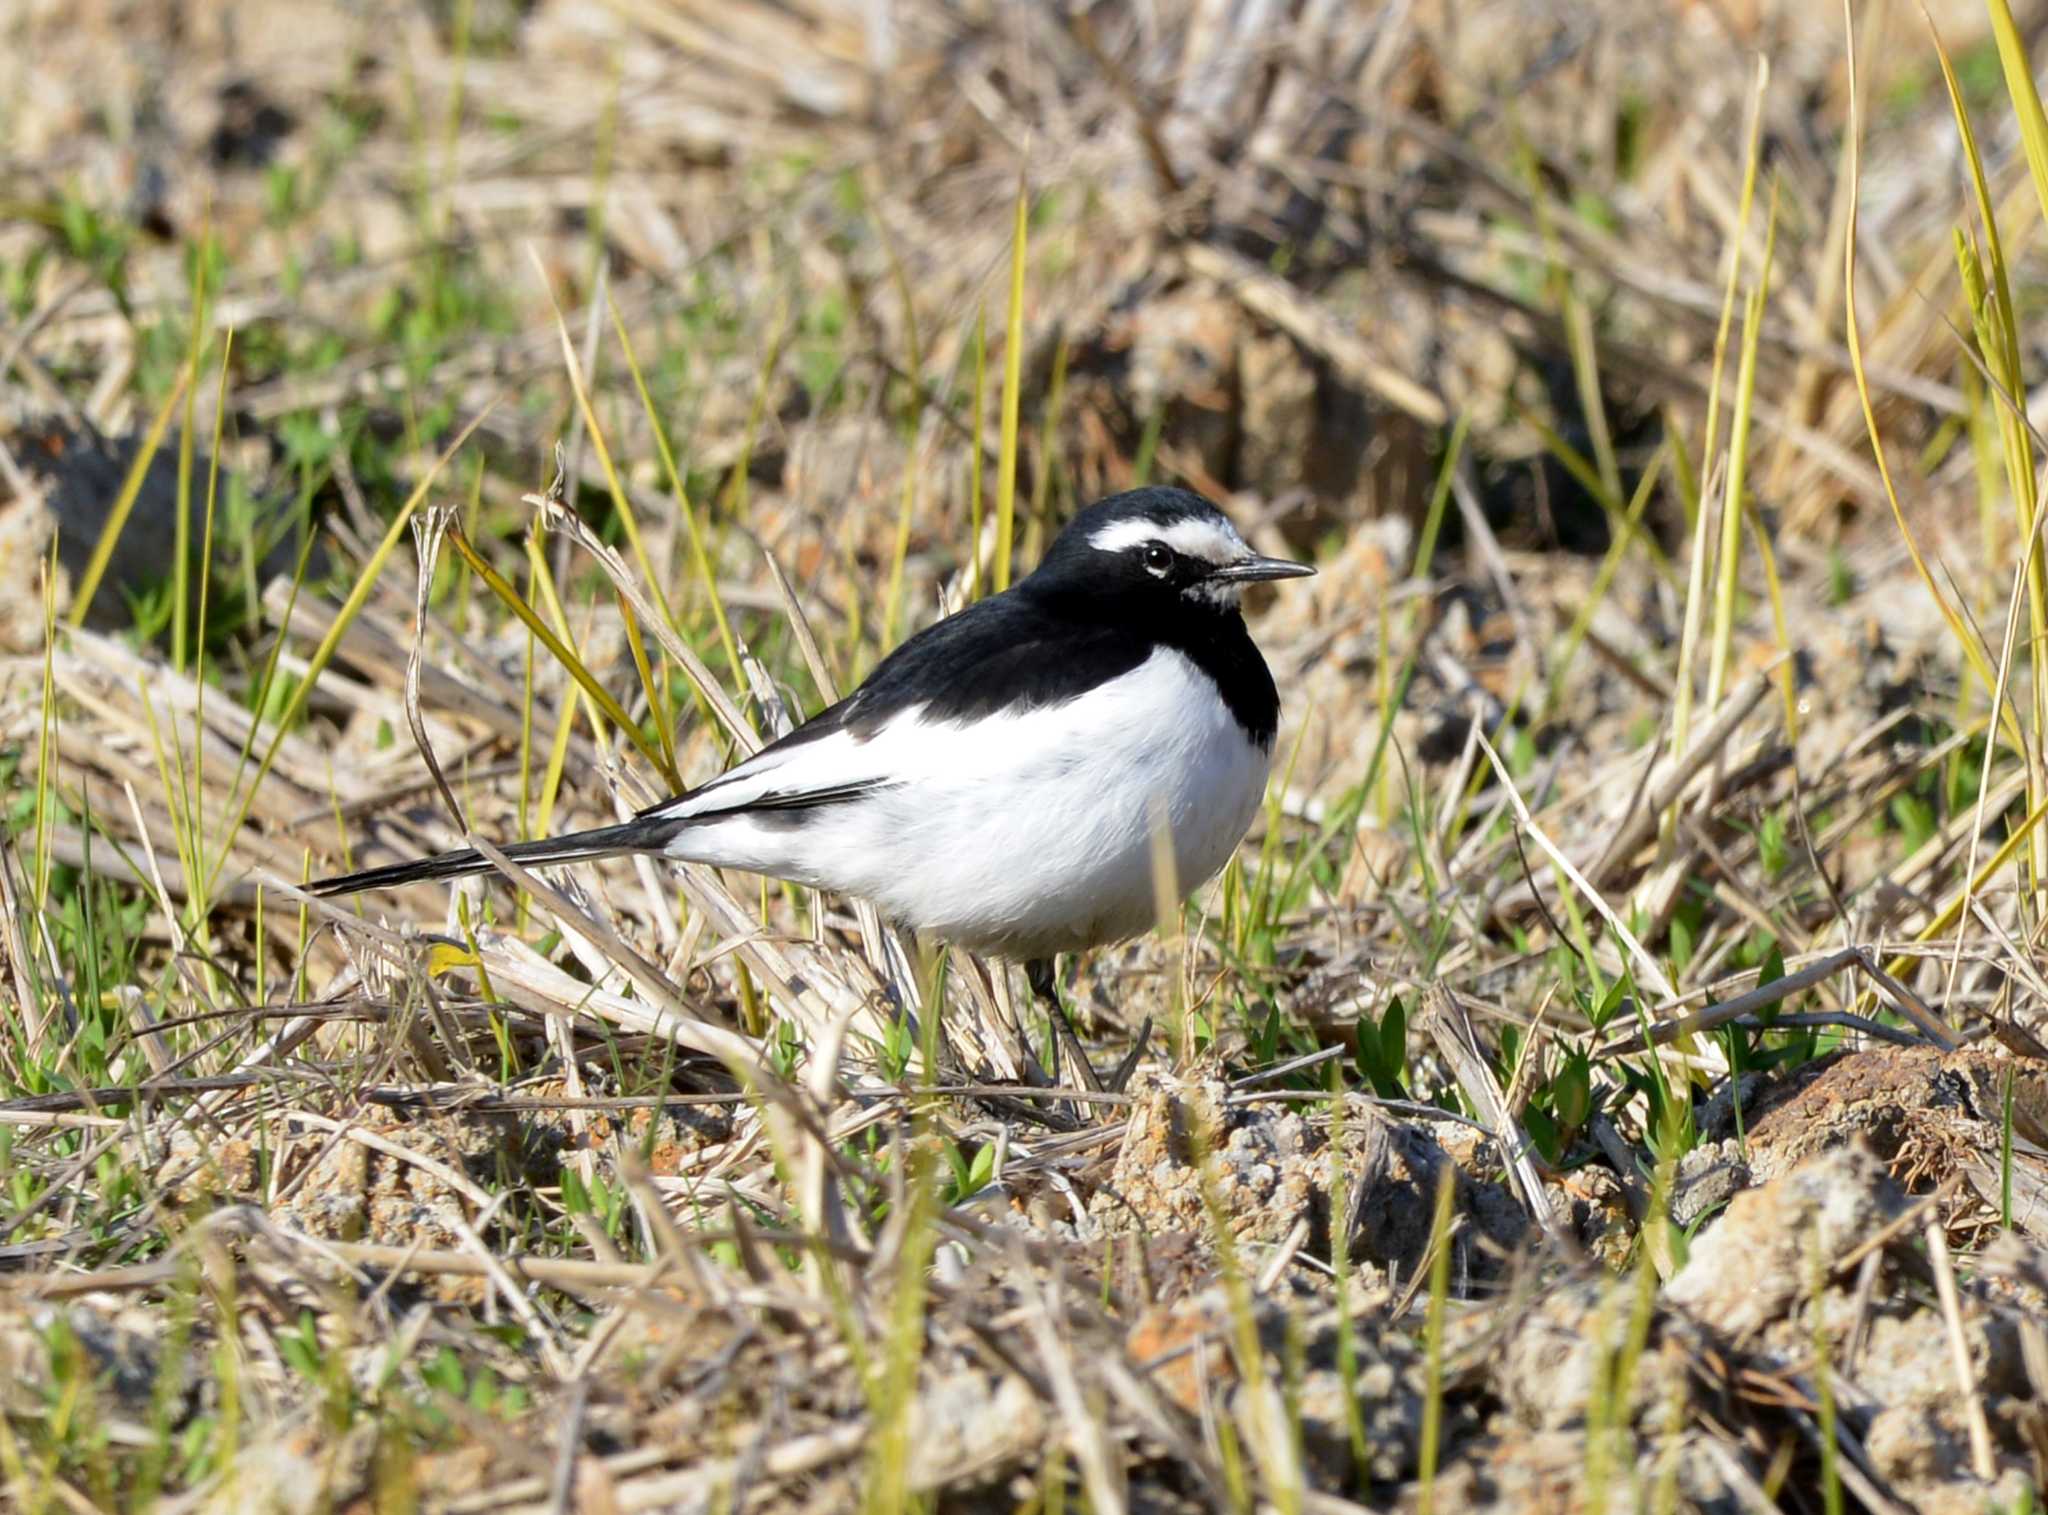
642	834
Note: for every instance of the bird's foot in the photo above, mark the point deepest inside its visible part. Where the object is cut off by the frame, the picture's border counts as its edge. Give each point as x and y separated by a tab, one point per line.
1068	1045
1120	1079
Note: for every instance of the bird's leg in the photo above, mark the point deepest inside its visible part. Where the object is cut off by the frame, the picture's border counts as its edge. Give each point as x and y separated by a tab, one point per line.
1044	984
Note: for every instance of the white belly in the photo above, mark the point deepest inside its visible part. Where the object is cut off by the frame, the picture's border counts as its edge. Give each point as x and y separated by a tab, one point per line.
1027	836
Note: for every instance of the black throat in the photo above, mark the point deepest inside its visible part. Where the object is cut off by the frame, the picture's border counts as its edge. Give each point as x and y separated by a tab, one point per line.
1217	643
1212	637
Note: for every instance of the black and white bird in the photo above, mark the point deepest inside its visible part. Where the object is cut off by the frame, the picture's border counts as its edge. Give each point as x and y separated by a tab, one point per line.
998	780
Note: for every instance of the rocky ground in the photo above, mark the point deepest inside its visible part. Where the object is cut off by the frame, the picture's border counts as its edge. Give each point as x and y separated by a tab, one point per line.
1614	1073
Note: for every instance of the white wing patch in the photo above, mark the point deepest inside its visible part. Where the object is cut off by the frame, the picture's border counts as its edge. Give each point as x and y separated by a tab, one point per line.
831	764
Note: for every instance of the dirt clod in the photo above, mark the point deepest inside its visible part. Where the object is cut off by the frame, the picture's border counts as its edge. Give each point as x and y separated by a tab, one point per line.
1766	1252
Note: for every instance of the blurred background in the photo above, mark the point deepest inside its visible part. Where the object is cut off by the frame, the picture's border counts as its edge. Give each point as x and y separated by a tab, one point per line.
1276	252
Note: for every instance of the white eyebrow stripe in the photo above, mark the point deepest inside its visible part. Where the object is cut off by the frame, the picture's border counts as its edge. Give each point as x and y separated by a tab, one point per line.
1213	541
1118	535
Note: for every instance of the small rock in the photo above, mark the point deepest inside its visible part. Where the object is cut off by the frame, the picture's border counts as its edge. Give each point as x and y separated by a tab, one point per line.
1186	1349
120	1343
1394	1169
295	1474
1757	1262
1560	1355
1387	1390
972	1419
1264	1164
1708	1176
1917	1443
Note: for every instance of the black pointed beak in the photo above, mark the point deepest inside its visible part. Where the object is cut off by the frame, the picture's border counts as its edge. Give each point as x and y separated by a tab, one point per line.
1257	570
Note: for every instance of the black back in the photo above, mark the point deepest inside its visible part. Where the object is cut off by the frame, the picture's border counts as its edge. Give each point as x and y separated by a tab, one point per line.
1081	619
1084	617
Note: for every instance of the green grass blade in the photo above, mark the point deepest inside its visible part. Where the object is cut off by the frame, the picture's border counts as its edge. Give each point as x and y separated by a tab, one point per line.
1732	497
1696	591
974	458
1993	315
181	526
1967	640
558	649
1013	392
351	607
699	559
2026	97
124	502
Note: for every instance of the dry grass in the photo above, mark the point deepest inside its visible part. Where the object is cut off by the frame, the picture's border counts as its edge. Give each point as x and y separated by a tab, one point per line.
467	421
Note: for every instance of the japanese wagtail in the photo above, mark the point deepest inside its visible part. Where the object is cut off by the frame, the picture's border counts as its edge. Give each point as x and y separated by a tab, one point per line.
998	780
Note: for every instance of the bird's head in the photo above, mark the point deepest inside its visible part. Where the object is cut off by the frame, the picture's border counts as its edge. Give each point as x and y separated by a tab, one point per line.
1166	547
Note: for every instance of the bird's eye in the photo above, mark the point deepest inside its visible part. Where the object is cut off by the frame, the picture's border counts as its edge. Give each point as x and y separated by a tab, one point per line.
1158	557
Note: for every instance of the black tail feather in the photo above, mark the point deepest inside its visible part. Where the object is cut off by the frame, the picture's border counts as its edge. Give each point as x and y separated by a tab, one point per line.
641	835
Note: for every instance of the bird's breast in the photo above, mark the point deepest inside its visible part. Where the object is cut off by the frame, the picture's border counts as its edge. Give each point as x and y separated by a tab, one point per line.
1044	840
1024	832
